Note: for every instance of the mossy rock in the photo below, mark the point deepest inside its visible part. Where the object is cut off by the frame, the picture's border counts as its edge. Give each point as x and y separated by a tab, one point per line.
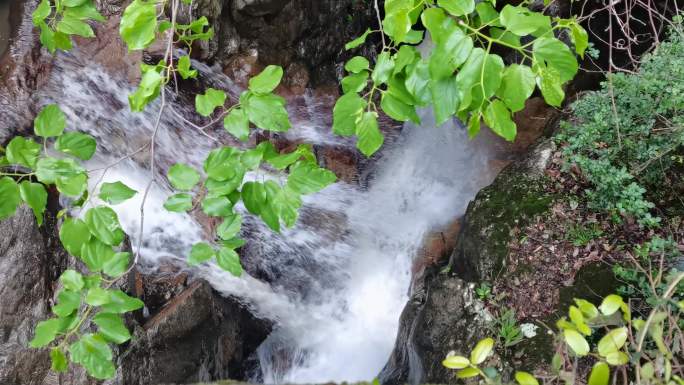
515	197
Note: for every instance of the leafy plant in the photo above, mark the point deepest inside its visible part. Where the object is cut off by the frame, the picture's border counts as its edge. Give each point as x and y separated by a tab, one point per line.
58	20
581	235
484	291
461	76
508	329
621	136
645	347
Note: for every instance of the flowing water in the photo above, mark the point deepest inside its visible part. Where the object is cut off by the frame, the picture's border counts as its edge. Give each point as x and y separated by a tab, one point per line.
336	282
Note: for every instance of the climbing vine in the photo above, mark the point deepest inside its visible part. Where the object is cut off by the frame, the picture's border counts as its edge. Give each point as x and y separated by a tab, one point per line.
461	76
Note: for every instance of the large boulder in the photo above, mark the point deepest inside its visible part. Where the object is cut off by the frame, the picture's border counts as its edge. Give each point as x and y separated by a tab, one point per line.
197	336
30	262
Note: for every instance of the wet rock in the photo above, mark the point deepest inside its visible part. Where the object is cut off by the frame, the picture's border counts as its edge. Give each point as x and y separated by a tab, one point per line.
30	262
442	316
311	32
197	336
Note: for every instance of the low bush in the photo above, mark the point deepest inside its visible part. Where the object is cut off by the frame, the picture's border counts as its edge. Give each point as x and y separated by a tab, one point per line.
625	136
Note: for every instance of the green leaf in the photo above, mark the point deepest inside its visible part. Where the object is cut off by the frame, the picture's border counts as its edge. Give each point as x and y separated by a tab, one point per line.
103	223
578	319
357	64
517	85
612	341
355	82
406	56
35	196
223	164
549	83
50	170
179	203
85	11
345	113
452	51
92	352
72	280
474	124
71	25
74	234
9	197
479	77
611	304
254	196
230	227
370	138
67	302
579	37
237	124
47	37
456	362
62	41
288	203
267	112
185	69
418	83
600	374
588	309
116	265
58	360
72	185
521	21
467	373
95	254
120	302
46	331
115	193
397	24
23	152
97	296
398	110
498	118
229	261
446	98
72	3
77	144
356	42
383	68
200	252
487	14
267	80
206	103
183	177
307	178
111	327
148	89
457	7
138	24
217	206
576	342
270	213
42	11
556	55
481	351
617	358
251	159
525	378
50	121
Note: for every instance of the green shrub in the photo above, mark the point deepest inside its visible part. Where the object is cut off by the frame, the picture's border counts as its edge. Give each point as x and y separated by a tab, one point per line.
623	136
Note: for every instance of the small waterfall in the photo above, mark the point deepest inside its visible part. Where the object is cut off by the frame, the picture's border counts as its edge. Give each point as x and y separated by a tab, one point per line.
338	280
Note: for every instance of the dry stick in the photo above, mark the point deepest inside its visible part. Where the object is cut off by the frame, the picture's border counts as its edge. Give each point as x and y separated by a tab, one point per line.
668	293
382	33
